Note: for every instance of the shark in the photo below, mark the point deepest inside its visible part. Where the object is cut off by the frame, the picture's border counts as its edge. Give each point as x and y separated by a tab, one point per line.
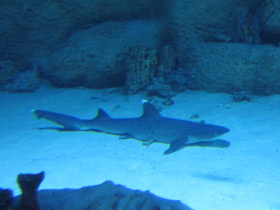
150	127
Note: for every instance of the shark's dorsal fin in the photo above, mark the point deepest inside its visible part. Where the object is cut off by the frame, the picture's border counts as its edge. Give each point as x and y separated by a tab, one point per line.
101	114
149	110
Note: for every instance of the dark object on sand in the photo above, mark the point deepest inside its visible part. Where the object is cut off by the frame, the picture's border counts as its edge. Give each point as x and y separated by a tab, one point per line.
29	184
100	197
6	199
106	196
242	96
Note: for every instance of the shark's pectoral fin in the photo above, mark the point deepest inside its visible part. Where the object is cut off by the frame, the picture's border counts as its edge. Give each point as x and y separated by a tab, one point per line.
218	143
175	146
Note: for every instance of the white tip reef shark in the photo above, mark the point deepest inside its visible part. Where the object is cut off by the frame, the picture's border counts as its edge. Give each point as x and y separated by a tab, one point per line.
148	128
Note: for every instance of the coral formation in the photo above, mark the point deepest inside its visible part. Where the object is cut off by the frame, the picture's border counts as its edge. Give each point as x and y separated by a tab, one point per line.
145	65
153	71
167	58
142	66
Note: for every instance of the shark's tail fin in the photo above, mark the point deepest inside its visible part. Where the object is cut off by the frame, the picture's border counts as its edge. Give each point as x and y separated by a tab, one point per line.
68	122
38	113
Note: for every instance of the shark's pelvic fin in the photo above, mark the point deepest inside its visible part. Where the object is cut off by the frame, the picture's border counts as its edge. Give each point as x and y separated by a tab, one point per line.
149	110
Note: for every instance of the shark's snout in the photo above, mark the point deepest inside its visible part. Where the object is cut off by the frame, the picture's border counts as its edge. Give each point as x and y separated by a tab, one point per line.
225	130
212	131
220	130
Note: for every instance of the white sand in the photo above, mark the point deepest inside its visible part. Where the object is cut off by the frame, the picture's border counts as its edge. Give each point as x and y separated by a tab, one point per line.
244	176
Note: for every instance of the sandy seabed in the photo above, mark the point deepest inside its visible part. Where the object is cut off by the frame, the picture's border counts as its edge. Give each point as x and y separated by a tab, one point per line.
244	176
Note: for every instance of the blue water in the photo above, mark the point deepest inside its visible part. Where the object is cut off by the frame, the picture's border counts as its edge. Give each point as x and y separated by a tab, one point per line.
215	62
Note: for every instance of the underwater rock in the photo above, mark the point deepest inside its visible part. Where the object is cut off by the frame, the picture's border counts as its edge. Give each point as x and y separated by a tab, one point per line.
29	184
94	57
242	96
233	67
248	24
27	81
105	196
35	29
100	197
7	73
177	80
221	21
6	199
202	21
271	21
159	88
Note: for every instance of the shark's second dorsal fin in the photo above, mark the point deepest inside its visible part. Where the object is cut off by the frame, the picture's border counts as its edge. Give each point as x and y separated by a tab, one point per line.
101	114
149	110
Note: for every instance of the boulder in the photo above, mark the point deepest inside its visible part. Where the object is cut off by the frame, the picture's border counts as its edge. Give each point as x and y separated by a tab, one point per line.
100	197
6	199
26	81
105	196
194	21
271	21
95	57
84	43
233	67
31	29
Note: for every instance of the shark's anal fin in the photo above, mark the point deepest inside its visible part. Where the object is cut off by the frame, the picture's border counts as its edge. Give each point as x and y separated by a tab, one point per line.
125	136
148	143
175	146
